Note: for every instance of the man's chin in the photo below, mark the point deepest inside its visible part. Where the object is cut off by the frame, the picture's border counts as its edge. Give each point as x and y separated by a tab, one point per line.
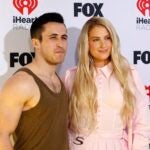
58	62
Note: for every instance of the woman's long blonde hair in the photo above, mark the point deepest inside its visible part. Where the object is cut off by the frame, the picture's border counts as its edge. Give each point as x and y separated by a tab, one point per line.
83	102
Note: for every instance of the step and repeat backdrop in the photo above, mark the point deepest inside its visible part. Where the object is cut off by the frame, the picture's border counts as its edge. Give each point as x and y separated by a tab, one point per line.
130	18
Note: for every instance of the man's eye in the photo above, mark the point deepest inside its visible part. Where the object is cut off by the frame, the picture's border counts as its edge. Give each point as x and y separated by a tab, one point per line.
108	38
52	37
64	38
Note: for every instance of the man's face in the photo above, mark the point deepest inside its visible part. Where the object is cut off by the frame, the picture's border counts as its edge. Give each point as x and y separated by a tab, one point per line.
52	47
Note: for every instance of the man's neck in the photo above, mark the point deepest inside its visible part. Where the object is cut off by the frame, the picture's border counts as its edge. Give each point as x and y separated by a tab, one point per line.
43	69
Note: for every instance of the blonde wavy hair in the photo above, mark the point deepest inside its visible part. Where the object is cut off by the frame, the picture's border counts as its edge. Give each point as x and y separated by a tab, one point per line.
83	102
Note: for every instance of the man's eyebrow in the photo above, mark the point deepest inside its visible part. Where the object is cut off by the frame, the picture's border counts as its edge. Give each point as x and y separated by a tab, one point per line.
55	34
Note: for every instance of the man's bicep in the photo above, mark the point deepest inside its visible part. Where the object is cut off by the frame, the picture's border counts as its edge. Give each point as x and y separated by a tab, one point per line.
10	109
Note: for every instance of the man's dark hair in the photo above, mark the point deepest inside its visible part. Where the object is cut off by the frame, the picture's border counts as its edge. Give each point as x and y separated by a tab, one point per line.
37	26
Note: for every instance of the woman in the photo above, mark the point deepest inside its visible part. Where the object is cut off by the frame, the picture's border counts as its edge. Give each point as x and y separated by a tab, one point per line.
108	105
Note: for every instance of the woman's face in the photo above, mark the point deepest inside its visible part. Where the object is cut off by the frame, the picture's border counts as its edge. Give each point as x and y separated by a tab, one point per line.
100	45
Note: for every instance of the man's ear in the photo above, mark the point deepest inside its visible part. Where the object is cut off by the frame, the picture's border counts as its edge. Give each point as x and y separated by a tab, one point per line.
35	43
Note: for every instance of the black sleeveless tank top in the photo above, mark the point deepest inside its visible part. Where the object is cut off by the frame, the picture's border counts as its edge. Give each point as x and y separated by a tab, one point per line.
44	127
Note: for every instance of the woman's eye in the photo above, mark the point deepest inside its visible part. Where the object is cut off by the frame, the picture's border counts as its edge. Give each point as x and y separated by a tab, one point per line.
95	40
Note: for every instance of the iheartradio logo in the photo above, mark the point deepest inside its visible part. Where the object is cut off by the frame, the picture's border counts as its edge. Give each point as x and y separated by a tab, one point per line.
20	5
144	6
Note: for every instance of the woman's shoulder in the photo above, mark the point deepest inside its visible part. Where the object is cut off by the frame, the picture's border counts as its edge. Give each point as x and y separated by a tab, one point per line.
71	71
132	67
69	78
136	77
134	70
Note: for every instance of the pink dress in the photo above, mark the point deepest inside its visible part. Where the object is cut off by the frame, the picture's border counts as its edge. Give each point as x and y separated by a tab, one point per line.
110	134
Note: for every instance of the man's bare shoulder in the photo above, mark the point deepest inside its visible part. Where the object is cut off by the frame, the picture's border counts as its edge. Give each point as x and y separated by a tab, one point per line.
20	85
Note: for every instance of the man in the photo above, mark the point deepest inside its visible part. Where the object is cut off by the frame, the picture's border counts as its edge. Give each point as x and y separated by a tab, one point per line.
33	102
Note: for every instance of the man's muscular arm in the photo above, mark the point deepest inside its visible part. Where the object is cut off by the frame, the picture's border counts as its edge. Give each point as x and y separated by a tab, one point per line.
13	96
